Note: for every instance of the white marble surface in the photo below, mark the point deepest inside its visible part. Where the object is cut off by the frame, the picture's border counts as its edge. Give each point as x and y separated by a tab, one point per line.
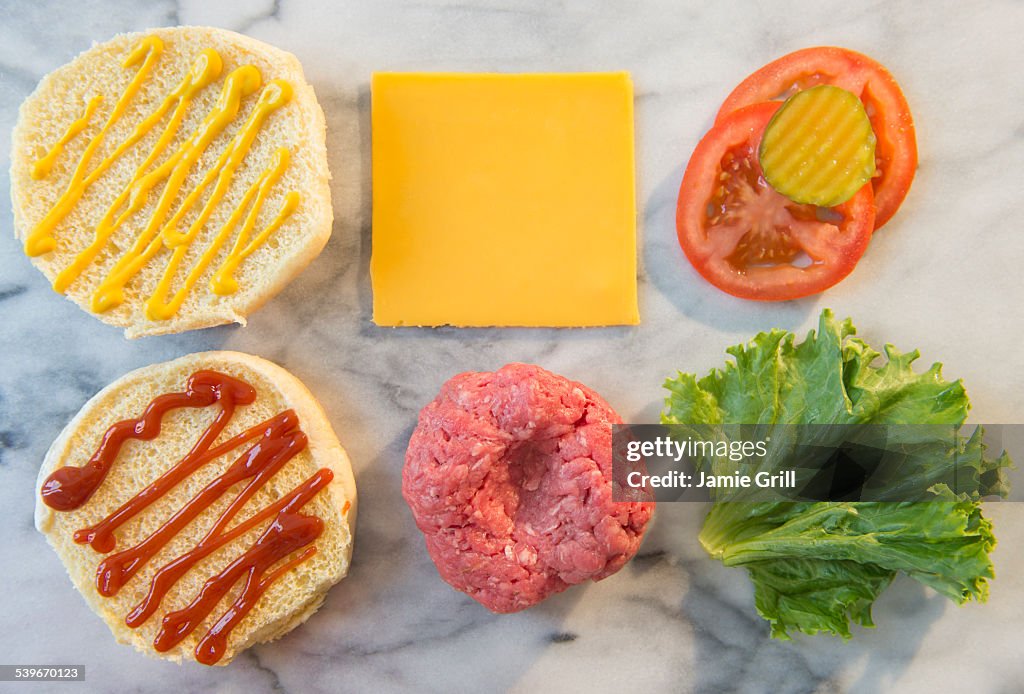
944	276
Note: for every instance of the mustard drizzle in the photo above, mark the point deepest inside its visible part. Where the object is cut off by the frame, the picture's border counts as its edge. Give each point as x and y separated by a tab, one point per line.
157	233
40	240
159	309
44	165
241	82
204	71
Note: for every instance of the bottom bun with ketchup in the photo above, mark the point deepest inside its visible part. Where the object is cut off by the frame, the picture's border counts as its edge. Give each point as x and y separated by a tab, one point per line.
200	506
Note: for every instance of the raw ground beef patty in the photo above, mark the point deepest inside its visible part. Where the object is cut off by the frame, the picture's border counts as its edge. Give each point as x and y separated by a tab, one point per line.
508	475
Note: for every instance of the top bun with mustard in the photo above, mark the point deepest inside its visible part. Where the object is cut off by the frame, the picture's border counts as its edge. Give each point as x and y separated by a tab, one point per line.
172	179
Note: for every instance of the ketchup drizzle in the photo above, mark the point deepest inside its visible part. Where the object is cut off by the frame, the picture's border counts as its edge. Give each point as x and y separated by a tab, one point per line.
280	442
288	532
169	574
69	487
277	440
211	647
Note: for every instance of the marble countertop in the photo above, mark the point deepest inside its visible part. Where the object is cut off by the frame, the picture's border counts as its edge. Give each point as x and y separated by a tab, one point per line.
944	276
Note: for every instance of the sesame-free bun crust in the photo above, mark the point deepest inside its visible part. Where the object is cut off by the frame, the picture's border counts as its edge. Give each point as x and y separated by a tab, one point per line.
291	599
60	99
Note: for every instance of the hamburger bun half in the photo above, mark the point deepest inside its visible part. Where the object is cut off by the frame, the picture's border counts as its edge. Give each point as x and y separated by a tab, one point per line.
142	459
130	192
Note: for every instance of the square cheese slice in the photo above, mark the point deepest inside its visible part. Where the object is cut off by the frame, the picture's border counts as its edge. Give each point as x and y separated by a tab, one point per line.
503	200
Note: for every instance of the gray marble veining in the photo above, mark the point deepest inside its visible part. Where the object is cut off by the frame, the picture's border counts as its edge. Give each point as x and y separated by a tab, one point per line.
944	276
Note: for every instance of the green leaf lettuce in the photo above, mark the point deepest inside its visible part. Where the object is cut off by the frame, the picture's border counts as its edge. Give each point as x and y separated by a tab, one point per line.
819	566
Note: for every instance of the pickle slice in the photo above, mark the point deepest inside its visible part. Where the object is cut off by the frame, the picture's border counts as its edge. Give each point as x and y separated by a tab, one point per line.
819	147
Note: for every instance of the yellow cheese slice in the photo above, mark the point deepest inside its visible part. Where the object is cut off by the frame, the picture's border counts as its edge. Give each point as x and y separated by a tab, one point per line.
503	200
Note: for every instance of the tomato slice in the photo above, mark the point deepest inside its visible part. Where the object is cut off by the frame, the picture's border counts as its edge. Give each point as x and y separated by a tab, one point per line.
752	242
887	108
